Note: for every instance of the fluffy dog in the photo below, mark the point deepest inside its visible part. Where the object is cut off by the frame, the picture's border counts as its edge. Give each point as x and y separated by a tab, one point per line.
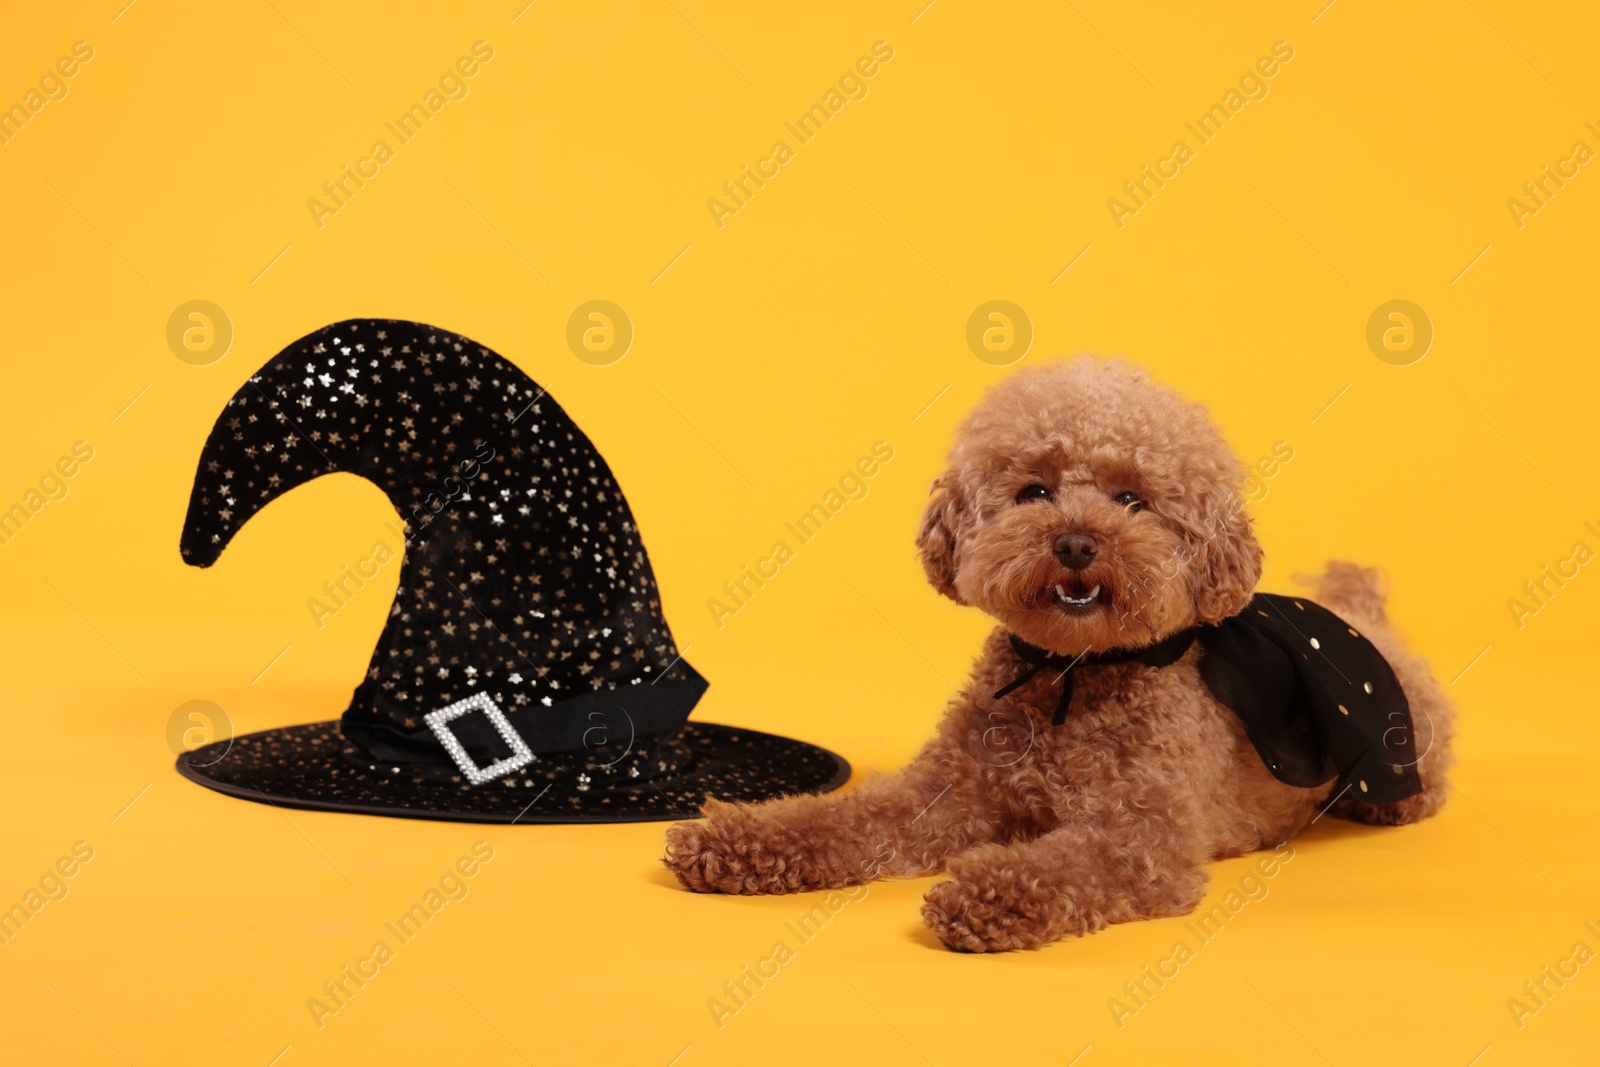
1086	509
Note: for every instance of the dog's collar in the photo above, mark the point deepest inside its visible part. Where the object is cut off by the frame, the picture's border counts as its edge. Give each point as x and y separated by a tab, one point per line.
1316	698
1160	654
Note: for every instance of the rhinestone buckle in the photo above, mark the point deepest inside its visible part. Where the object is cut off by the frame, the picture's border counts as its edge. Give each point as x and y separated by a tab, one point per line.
521	754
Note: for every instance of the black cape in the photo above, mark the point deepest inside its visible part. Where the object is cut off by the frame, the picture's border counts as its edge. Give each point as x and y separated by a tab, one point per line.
1317	700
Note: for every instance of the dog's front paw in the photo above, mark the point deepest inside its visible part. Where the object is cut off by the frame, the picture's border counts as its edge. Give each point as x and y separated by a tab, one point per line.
728	852
944	909
972	918
692	854
763	848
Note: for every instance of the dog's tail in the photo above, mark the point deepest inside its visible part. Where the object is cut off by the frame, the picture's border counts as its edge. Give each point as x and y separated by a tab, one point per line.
1357	594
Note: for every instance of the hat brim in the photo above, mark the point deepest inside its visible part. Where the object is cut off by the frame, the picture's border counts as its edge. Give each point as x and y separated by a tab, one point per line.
307	767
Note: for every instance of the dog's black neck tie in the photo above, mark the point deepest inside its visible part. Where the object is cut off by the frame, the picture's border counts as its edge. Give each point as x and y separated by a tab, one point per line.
1160	654
1316	698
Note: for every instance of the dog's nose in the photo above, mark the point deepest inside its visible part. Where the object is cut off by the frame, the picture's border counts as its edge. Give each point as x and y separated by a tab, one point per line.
1075	550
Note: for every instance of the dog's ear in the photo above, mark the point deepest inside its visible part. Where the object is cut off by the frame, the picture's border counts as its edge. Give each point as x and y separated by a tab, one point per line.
936	540
1229	558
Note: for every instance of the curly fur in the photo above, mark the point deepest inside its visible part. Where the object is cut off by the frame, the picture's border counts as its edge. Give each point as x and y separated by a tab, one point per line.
1055	831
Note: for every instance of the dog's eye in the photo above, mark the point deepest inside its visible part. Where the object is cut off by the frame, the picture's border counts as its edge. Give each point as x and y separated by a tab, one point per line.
1130	501
1033	492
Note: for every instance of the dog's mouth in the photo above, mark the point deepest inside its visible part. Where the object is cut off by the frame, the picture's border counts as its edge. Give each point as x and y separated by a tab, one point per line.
1077	595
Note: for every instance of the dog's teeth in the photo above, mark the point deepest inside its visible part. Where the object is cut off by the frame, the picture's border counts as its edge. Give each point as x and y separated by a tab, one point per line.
1076	601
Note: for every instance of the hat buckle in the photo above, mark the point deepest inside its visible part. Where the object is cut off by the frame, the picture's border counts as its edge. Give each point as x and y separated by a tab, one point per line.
521	754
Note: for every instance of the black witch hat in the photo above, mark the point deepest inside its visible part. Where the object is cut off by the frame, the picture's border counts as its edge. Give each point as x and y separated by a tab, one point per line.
526	672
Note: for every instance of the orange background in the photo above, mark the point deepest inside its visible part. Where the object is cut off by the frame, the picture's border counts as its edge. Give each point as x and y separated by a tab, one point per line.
769	354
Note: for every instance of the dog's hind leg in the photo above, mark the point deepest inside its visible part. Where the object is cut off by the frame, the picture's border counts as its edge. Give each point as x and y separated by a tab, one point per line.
1356	594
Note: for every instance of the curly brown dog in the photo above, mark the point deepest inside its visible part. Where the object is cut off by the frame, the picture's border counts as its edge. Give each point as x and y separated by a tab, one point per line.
1086	509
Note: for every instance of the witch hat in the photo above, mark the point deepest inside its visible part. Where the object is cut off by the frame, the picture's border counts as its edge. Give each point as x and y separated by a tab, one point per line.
526	672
